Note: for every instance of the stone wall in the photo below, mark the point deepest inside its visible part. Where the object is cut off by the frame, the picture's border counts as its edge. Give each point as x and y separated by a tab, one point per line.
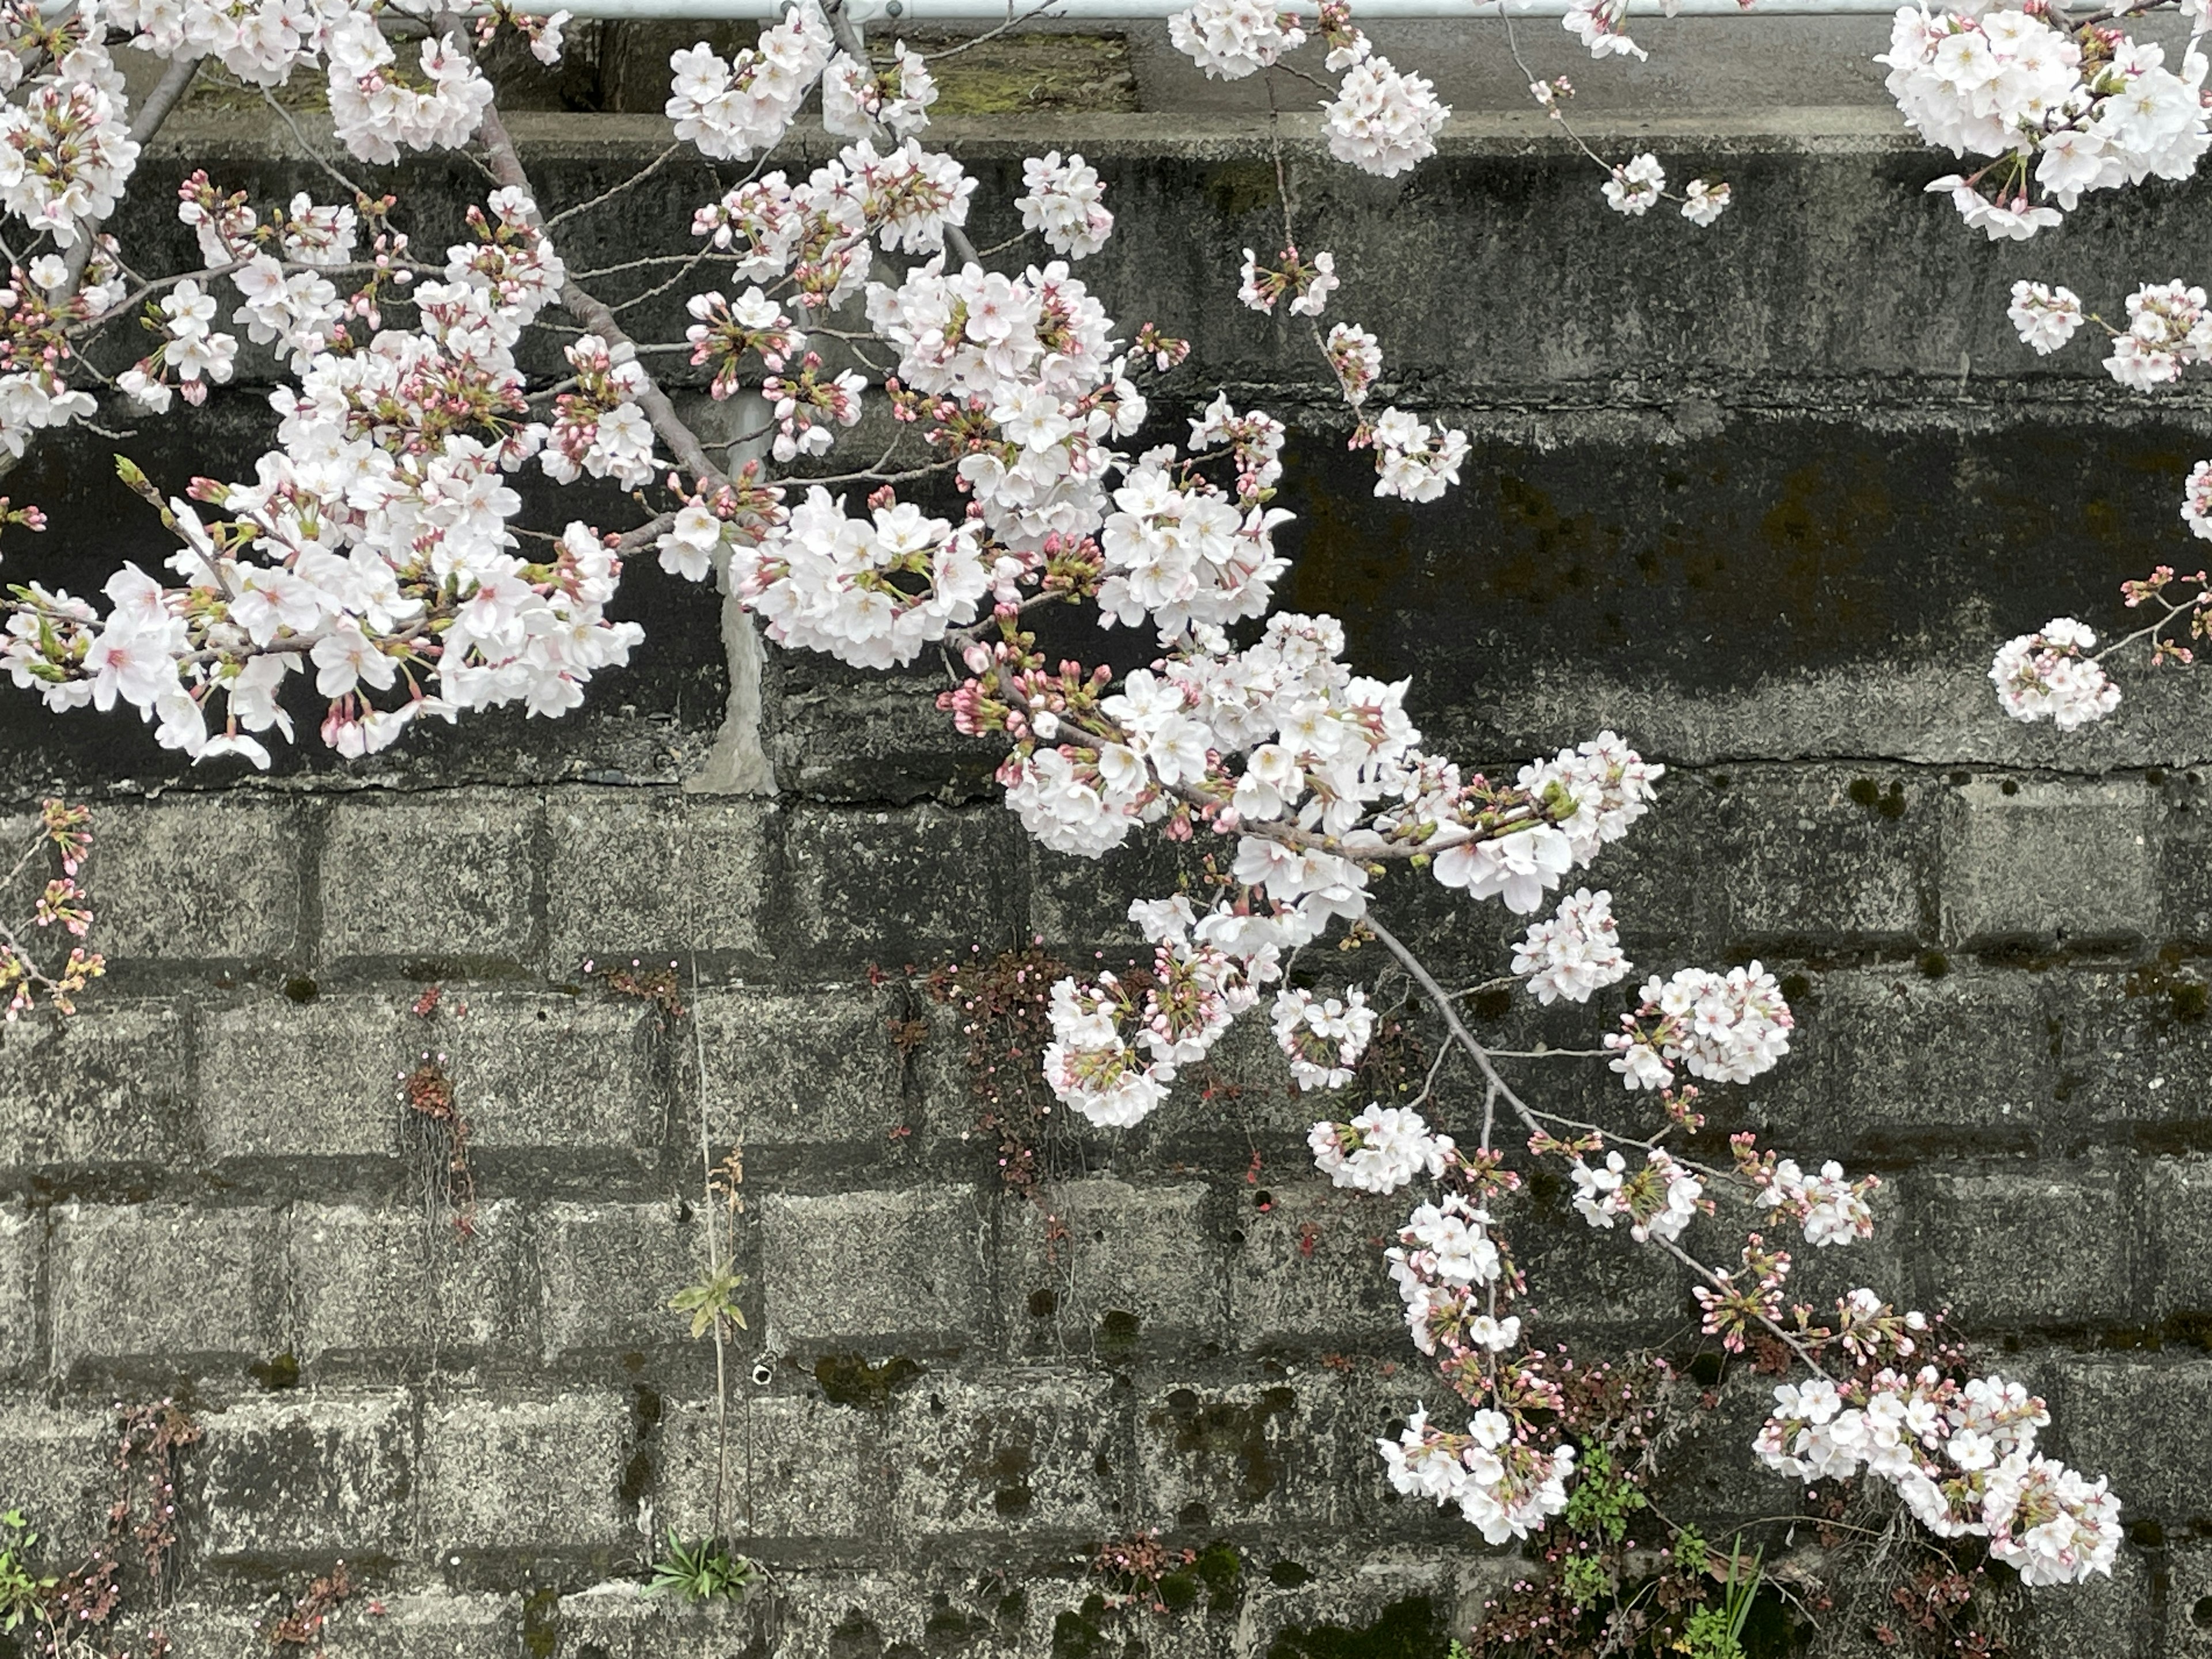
1765	499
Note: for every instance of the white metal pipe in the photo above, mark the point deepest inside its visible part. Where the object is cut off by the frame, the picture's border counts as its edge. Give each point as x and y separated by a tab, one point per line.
997	11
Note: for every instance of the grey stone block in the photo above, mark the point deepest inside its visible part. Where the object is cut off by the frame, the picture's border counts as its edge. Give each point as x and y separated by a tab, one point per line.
2178	1199
2146	1423
1886	1059
911	886
2189	1600
2030	1247
282	1079
22	1246
795	1466
806	1069
59	1470
1310	1269
1038	1453
2131	1047
167	1285
1781	856
2065	861
1587	1279
524	1474
2112	1614
655	874
450	877
198	878
109	1086
549	1070
321	1477
382	1282
609	1272
870	1268
1103	1268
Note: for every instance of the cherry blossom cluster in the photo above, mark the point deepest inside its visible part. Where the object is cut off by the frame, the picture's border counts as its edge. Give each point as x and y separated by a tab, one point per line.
1064	203
1355	357
1657	1201
1444	1257
598	431
261	42
1232	39
2086	110
857	99
1306	284
1727	1027
66	150
1963	1457
1381	121
1832	1209
1576	953
871	592
1591	795
1412	460
734	109
1380	1150
1115	1049
1322	1038
376	116
1502	1484
2047	676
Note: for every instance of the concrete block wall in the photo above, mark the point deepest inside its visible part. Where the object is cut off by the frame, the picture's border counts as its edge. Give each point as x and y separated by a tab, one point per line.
210	1184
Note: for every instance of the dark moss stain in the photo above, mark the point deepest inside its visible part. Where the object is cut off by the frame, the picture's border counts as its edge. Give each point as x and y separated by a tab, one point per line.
1289	1575
1076	1634
1411	1629
1179	1590
301	989
541	1622
1933	964
1492	1004
1221	1429
1042	1304
846	1379
856	1636
275	1374
1007	1471
1546	554
1819	530
1220	1569
948	1628
1797	989
1237	188
1349	567
1116	1335
645	1424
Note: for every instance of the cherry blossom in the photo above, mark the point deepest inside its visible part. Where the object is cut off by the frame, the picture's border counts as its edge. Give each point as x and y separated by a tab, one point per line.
2045	676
